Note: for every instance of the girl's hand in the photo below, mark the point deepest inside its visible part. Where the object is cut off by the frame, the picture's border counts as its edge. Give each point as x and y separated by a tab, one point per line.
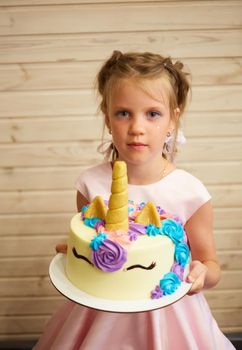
196	276
61	248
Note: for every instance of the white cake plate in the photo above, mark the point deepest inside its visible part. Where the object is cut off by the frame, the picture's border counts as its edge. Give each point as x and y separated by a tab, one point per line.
64	286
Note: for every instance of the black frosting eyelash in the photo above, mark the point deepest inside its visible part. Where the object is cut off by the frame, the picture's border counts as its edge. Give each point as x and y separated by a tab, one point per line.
79	256
150	267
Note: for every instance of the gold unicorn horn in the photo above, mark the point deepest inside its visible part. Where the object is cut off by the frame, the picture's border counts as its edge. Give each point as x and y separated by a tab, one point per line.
117	214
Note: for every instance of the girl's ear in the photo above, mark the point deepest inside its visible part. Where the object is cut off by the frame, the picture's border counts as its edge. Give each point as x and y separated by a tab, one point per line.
107	121
177	113
174	120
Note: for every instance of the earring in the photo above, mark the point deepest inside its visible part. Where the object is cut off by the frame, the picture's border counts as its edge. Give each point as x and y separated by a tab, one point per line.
110	131
168	134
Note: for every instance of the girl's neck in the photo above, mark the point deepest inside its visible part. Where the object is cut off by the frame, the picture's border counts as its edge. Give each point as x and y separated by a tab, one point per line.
144	174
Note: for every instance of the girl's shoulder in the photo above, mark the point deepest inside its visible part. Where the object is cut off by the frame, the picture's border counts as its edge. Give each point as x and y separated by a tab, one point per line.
99	169
94	180
184	176
191	190
187	182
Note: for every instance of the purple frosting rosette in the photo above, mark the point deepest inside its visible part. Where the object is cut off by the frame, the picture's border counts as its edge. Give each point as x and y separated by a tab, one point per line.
110	256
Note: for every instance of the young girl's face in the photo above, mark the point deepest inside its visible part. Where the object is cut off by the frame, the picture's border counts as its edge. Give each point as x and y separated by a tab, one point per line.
139	119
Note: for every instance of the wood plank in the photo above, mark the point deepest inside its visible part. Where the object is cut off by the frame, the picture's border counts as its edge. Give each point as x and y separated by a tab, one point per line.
84	47
74	102
58	223
22	324
30	249
48	103
30	306
231	260
40	247
228	318
230	280
78	18
63	178
37	224
220	173
228	239
213	124
227	218
75	128
224	299
59	2
220	149
214	71
62	201
39	178
50	154
51	129
81	75
215	98
31	338
226	195
27	287
38	202
27	266
41	76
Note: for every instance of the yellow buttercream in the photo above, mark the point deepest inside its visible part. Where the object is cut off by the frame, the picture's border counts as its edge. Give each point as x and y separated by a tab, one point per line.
148	215
97	209
117	215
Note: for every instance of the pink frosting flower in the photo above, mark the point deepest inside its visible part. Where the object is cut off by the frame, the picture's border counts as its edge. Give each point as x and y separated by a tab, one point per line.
110	256
120	237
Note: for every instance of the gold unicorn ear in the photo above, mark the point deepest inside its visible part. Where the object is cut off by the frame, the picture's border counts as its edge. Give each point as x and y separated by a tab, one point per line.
97	209
148	215
117	214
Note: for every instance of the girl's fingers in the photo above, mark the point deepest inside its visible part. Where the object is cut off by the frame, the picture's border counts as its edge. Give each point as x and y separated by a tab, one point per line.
61	248
197	285
197	277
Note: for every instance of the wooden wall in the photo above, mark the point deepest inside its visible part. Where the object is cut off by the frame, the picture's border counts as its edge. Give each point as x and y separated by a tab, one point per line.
50	51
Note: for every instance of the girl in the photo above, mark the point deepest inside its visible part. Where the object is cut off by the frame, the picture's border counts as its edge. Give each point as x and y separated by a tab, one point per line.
143	98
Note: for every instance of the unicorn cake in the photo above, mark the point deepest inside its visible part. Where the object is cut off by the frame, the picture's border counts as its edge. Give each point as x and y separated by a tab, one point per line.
122	250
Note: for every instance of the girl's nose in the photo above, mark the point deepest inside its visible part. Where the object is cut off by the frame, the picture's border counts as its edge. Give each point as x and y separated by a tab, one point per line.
136	126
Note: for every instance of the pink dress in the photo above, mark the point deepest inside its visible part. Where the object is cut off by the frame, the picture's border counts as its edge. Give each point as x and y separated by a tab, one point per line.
185	325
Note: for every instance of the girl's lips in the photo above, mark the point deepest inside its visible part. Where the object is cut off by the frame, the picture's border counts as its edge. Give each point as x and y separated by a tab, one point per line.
137	145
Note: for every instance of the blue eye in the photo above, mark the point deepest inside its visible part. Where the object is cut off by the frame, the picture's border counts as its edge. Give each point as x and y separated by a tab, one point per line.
154	114
122	114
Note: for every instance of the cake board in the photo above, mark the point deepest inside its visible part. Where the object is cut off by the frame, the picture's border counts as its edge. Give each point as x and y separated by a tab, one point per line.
65	287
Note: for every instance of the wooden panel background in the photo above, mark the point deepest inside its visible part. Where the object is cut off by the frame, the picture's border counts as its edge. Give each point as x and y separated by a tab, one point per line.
50	51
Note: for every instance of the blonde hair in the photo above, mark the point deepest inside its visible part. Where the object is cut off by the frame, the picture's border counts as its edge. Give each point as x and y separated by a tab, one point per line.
141	67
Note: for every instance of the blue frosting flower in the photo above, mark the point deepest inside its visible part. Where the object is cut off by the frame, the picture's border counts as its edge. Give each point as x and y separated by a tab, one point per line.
173	230
84	208
169	283
152	230
91	222
97	241
182	253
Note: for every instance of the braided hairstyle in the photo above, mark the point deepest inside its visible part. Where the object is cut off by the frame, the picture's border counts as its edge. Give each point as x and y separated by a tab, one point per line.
141	67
